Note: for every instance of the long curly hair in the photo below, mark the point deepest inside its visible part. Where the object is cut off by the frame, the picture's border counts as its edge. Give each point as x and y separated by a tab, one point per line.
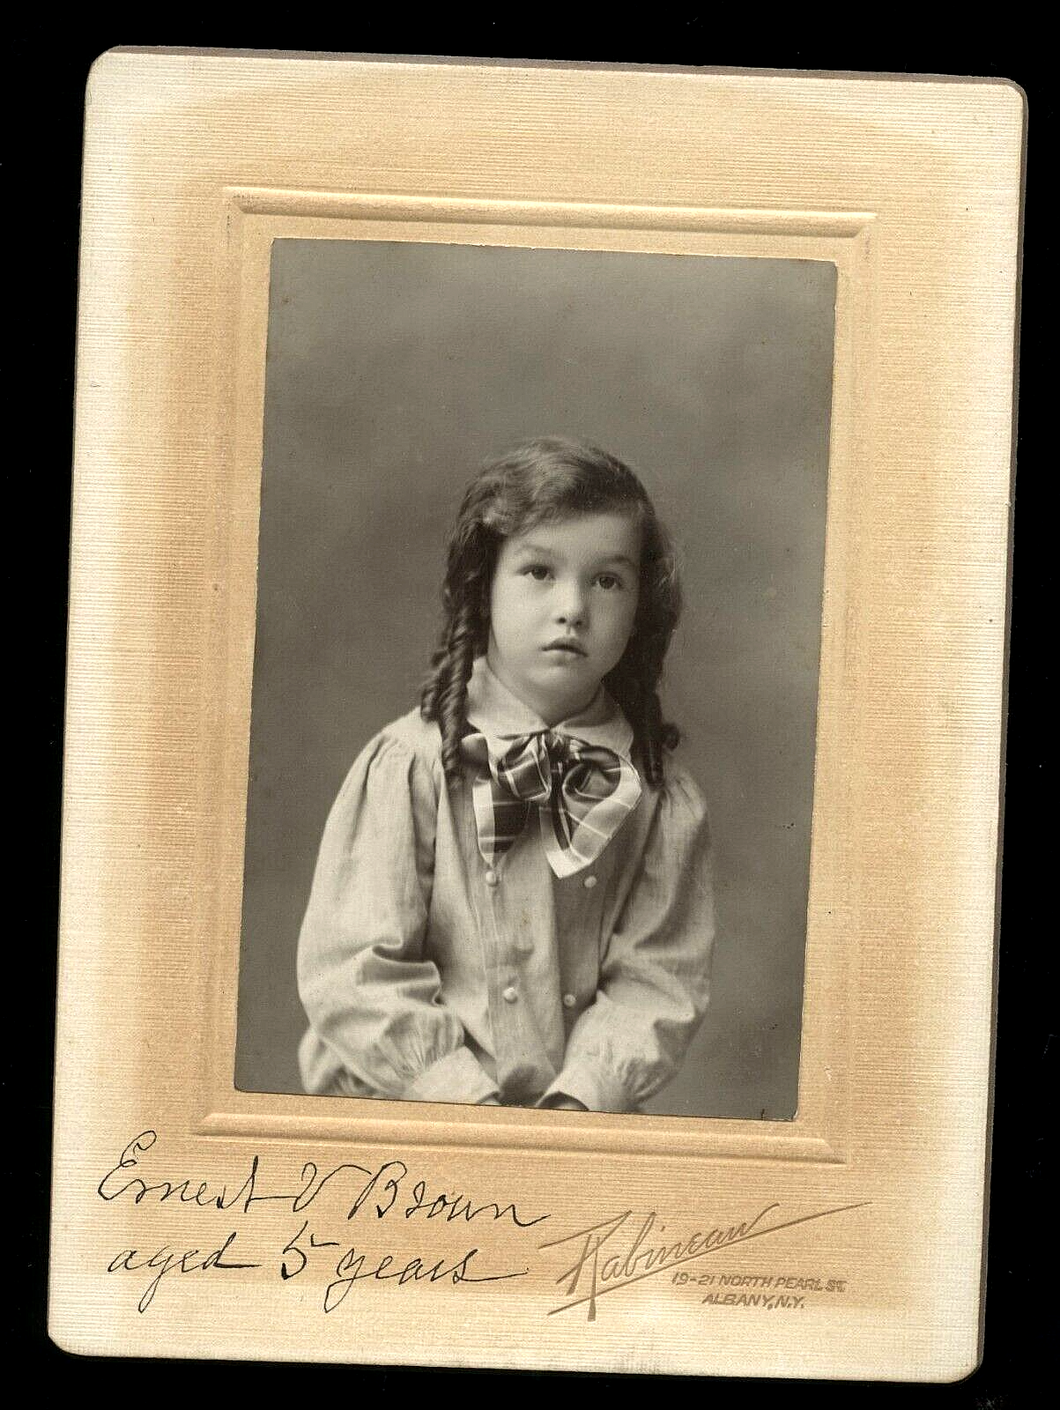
547	479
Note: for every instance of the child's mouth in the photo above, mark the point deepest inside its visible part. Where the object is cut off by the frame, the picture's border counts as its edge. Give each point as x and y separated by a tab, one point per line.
570	647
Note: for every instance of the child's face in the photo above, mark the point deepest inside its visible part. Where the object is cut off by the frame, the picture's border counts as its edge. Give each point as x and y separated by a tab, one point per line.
562	605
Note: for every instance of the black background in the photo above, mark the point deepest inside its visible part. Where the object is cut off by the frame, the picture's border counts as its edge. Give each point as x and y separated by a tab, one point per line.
49	64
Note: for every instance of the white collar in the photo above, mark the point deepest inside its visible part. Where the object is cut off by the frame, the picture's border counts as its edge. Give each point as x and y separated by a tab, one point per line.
493	709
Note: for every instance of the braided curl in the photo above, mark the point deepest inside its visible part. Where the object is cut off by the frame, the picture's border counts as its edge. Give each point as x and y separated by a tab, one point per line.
547	479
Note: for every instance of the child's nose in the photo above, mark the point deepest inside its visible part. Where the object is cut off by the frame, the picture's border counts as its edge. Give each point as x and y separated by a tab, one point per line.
571	606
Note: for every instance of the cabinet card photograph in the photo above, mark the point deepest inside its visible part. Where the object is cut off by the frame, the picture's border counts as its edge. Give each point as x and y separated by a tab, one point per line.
538	600
535	677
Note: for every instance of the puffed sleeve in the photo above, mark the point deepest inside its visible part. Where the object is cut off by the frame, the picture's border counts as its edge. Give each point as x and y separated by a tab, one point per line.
370	992
655	970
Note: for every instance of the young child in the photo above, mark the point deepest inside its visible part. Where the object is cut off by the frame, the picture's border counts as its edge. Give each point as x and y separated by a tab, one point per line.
512	903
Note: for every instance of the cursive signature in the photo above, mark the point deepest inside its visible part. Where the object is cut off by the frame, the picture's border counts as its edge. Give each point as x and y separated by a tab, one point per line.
616	1252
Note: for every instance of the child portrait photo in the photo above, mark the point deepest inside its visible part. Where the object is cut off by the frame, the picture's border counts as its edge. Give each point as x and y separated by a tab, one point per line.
534	703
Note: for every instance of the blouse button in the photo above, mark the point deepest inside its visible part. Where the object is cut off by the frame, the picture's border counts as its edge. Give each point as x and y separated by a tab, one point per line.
492	879
569	1001
589	882
509	996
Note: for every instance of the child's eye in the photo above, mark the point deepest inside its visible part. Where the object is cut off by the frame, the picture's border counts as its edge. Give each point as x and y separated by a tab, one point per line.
610	581
537	571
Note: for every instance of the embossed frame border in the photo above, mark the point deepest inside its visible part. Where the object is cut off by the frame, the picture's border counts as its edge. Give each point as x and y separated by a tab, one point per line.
253	219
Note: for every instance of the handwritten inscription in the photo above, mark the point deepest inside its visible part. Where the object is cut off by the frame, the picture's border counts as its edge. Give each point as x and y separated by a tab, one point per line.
600	1258
381	1192
131	1260
384	1187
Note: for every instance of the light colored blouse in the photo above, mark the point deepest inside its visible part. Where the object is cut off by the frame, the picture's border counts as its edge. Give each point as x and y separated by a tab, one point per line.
430	976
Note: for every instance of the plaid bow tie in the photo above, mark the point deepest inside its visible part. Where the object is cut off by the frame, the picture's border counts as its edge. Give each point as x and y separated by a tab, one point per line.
583	792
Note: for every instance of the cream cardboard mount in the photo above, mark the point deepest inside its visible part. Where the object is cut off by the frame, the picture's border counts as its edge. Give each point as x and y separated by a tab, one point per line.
192	1219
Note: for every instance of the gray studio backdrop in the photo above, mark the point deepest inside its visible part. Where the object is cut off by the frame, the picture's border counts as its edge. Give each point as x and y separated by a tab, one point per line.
393	371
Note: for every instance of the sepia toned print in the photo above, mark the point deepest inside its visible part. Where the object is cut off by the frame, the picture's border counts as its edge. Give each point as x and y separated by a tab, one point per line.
718	374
